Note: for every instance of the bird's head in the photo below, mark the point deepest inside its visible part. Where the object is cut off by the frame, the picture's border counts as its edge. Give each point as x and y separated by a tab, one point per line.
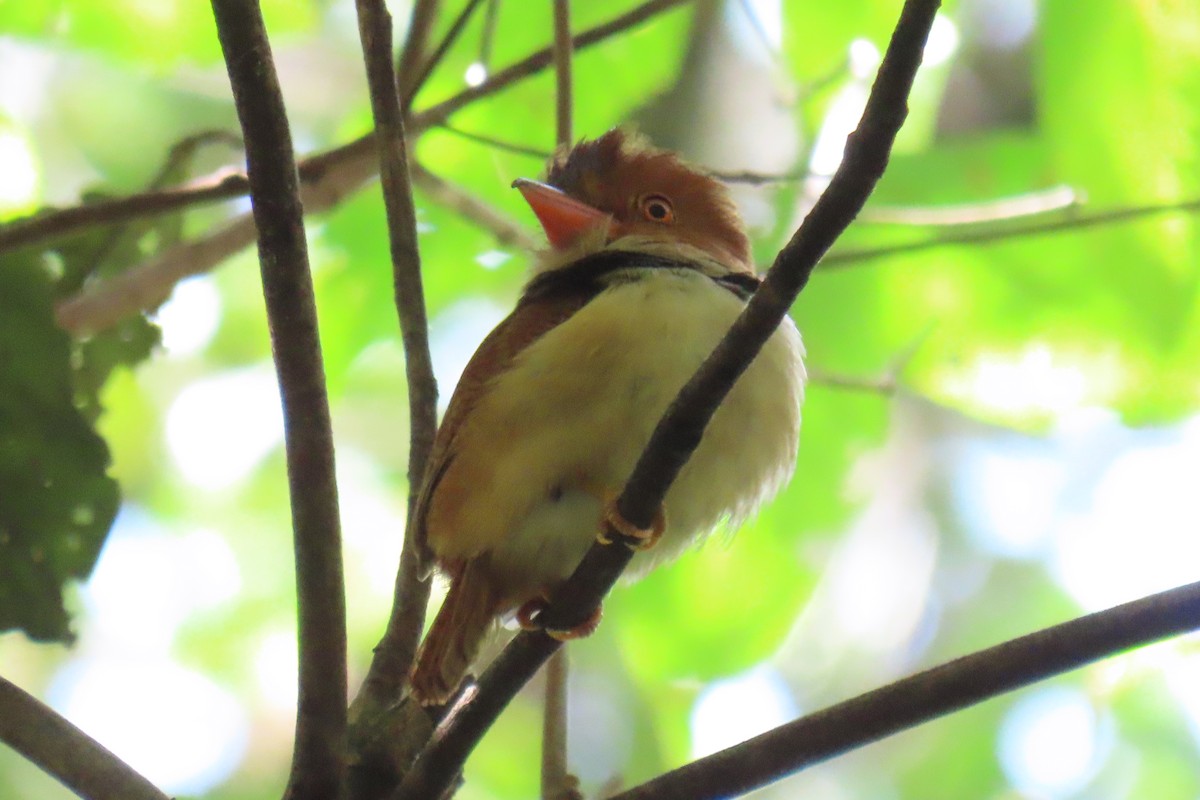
615	187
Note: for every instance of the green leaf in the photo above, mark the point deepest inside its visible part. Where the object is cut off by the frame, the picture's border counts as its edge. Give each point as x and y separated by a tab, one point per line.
161	33
56	500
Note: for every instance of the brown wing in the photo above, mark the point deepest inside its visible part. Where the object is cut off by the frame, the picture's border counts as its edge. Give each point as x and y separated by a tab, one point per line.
525	325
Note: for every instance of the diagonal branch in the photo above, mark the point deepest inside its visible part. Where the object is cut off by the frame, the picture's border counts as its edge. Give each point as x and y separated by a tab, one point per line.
147	285
439	52
328	178
420	25
926	696
73	758
679	432
318	762
540	60
507	231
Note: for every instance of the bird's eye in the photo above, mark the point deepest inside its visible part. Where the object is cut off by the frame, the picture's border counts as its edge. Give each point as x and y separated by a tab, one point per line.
657	208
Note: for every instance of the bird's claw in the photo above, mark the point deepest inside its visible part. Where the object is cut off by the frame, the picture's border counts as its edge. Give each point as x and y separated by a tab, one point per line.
529	614
613	525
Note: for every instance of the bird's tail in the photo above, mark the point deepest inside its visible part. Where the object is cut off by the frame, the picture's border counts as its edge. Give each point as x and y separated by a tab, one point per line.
456	635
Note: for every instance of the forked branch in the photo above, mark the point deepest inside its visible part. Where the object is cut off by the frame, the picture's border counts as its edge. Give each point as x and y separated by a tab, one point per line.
678	433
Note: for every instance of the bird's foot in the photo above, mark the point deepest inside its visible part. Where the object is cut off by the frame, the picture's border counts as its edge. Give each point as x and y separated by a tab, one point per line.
529	618
614	525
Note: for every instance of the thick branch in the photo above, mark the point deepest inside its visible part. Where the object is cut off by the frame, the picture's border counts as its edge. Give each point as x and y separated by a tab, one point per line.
926	696
678	434
318	762
73	758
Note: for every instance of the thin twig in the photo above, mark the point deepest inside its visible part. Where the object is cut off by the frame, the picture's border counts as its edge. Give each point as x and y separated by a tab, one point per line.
64	752
752	178
318	761
1058	199
679	432
926	696
49	224
328	178
885	384
852	257
760	30
412	54
439	52
508	232
487	36
491	141
394	654
538	61
557	782
563	104
147	285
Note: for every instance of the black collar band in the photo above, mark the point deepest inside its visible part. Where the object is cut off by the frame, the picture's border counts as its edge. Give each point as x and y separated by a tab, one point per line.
585	276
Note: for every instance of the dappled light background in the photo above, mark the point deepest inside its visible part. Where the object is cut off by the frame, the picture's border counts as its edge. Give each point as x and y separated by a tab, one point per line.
1000	435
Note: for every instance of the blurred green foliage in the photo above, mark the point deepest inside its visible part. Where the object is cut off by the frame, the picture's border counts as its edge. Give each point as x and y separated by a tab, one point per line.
1115	97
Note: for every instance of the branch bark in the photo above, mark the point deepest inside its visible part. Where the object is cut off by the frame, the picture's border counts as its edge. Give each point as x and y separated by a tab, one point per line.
926	696
318	762
69	755
678	433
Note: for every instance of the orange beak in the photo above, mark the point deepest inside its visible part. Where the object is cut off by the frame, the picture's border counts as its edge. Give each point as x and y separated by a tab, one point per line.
563	218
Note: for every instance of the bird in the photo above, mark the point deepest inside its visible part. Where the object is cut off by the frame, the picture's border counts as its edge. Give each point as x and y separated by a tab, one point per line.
648	265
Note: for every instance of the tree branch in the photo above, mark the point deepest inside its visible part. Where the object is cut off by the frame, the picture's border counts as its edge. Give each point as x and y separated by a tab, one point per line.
507	231
456	29
540	60
498	144
318	762
412	54
563	104
147	285
377	752
64	752
678	433
852	257
1038	203
926	696
50	224
557	781
328	177
394	654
